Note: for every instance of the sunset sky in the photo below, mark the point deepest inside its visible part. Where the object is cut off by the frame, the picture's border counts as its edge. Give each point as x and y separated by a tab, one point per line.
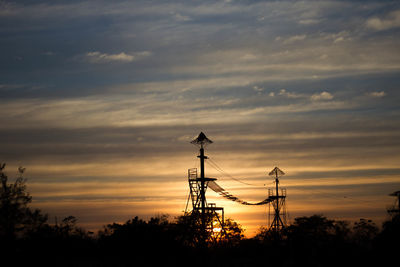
100	100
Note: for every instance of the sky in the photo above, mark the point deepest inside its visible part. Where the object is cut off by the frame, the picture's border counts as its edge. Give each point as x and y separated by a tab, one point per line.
100	100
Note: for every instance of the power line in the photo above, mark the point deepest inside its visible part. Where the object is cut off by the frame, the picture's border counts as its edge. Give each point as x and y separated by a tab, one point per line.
328	195
219	169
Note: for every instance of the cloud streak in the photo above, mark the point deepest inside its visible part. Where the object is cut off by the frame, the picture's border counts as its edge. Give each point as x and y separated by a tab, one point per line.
97	57
377	94
391	20
322	96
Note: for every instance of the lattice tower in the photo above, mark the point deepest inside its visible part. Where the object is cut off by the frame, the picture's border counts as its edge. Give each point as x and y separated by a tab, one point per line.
277	206
211	217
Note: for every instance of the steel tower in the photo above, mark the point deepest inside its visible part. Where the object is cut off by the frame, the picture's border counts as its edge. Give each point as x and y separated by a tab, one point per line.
211	221
395	209
278	203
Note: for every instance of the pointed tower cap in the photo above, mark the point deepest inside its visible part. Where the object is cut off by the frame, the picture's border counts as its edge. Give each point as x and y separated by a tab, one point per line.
395	194
201	140
277	172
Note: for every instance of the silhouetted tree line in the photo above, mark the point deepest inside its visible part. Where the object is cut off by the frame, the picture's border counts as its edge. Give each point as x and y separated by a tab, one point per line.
27	238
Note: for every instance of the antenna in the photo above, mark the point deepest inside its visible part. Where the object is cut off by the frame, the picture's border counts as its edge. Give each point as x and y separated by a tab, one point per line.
201	140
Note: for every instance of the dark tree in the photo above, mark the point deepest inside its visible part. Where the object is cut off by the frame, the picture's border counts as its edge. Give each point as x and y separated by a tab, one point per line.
364	232
387	241
190	231
318	241
16	218
233	232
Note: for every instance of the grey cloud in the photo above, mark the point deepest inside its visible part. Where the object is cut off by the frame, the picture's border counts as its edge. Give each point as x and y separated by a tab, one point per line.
97	57
180	47
294	39
391	20
322	96
377	94
317	139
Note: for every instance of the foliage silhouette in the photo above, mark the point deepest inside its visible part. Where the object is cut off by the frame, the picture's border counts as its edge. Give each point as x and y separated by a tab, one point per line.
190	233
387	241
16	218
364	232
28	239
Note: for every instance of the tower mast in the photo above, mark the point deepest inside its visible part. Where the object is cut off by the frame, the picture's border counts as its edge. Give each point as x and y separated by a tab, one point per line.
395	211
202	187
277	202
207	212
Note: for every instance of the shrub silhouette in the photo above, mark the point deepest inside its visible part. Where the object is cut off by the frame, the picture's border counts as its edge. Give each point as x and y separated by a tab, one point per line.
16	218
28	239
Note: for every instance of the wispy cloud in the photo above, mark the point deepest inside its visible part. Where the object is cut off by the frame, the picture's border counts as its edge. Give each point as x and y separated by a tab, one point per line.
97	57
48	53
181	18
294	39
391	20
322	96
309	21
4	87
337	37
377	94
283	92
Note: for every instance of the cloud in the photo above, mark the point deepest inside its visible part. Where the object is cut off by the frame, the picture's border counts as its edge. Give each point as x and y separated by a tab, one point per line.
258	89
142	54
309	21
322	96
391	21
4	87
97	57
48	53
295	38
337	37
377	94
283	92
181	18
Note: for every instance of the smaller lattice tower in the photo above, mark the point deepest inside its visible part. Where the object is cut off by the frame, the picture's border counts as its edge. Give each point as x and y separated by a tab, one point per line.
395	209
277	206
211	218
